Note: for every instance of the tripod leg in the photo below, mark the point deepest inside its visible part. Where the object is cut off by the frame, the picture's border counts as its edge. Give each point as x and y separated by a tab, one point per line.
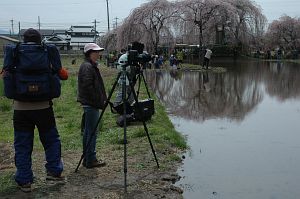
146	85
124	127
139	86
95	128
144	123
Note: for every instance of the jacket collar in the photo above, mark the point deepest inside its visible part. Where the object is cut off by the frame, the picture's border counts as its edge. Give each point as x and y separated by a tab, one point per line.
90	61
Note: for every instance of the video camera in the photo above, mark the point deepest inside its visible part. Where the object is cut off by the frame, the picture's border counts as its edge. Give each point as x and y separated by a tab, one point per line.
136	55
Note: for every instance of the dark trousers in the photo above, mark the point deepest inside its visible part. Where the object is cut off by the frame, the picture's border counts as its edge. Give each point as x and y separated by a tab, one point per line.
206	62
24	125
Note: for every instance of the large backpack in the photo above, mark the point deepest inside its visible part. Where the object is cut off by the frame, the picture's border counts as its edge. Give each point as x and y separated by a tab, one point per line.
31	72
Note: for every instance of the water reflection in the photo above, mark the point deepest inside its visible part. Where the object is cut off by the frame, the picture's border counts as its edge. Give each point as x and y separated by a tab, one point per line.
204	95
246	144
282	82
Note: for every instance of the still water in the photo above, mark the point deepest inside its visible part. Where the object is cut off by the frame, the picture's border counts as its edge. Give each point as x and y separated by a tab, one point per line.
242	127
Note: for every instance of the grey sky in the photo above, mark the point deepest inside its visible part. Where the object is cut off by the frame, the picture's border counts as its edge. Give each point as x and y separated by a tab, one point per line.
64	13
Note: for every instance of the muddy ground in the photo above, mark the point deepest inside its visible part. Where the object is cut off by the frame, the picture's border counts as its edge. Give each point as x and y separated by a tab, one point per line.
145	180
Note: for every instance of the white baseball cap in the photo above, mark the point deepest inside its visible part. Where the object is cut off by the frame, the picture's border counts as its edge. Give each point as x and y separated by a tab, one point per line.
92	46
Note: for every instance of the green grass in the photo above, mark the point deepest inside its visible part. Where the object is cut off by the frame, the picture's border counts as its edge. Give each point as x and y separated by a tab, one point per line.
7	183
6	132
68	118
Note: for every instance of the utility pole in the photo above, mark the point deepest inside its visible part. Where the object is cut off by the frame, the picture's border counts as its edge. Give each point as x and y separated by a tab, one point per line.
95	27
116	24
12	26
19	31
108	28
107	10
39	23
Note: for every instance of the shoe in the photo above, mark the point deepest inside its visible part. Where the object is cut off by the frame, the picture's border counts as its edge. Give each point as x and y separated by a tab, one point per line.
54	177
94	164
26	188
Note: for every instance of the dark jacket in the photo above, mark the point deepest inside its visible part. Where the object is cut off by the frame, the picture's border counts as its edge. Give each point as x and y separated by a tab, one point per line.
91	89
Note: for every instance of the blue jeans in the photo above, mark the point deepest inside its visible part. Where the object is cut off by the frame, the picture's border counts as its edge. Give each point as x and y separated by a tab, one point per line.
24	124
90	121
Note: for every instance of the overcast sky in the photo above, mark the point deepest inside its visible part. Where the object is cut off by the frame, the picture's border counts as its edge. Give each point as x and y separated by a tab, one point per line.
64	13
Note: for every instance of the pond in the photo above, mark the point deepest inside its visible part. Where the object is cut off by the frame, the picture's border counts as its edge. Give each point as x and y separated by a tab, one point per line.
242	127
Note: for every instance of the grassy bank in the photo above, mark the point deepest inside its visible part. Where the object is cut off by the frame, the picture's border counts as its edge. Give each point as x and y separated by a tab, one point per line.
167	142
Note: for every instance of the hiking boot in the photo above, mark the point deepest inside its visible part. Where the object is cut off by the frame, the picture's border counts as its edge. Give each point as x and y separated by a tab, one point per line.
54	177
26	188
94	164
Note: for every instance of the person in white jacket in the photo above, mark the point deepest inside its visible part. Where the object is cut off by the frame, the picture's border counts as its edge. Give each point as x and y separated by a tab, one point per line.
207	58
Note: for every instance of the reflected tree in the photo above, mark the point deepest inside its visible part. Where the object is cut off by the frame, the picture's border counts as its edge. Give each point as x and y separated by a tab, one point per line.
228	96
282	82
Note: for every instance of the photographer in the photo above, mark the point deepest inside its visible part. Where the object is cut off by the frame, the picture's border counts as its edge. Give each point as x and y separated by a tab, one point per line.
92	96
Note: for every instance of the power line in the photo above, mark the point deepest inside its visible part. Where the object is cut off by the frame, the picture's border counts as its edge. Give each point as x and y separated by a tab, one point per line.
10	24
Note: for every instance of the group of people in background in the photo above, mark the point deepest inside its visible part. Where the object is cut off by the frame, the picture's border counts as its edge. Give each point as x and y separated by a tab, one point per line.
278	53
159	61
174	60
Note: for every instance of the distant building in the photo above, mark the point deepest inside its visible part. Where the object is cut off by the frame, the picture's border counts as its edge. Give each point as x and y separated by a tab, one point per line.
60	42
47	32
4	40
81	35
72	39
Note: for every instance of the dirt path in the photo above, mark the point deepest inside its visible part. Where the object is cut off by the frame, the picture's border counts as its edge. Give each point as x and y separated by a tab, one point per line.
145	180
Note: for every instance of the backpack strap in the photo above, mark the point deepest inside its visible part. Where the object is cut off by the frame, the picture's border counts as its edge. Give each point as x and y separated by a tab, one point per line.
14	54
54	58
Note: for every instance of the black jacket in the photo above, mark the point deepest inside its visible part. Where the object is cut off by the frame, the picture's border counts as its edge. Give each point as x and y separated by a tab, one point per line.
91	89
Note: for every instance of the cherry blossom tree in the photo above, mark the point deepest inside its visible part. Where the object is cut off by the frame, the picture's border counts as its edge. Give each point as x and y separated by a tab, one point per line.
284	32
200	13
247	22
160	22
242	19
147	24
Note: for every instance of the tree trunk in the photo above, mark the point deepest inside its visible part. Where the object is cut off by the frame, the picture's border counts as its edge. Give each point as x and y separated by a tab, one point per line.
200	45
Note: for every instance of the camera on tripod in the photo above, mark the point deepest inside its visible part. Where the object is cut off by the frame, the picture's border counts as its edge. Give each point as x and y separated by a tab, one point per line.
137	57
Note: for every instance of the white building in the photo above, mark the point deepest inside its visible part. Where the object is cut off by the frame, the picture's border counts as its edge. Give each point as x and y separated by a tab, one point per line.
81	35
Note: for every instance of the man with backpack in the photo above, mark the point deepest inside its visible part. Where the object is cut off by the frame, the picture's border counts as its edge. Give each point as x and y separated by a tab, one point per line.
32	80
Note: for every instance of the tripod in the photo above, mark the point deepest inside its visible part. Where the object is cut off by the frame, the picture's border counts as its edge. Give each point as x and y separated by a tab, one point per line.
123	75
140	77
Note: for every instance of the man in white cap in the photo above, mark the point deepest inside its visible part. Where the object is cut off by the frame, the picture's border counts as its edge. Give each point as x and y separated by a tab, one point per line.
92	96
